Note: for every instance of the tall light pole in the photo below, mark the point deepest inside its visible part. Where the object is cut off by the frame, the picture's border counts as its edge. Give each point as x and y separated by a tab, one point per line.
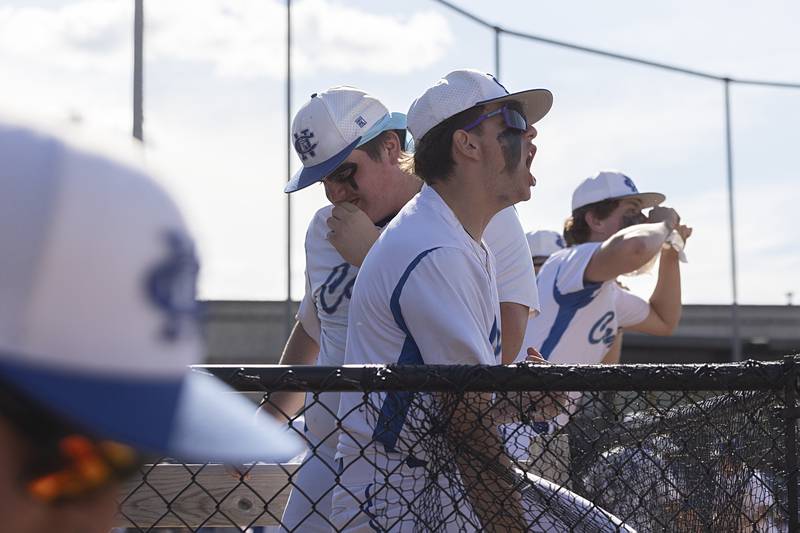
736	336
138	68
288	167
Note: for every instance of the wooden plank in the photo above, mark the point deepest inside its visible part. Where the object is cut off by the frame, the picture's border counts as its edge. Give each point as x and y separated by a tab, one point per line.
178	495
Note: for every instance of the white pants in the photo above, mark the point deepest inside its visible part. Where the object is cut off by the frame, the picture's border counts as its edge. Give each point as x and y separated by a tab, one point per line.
382	491
309	505
389	498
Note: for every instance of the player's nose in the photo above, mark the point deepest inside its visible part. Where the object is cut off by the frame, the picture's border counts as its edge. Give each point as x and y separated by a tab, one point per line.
335	192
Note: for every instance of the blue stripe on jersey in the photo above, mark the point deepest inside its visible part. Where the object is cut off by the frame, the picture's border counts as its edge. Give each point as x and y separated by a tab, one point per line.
568	306
395	406
494	338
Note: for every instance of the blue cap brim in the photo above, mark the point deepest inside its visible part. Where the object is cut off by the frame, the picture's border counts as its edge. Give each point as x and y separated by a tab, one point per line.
190	417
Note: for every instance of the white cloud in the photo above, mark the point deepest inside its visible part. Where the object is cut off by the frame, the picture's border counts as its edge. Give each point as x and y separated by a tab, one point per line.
242	39
92	34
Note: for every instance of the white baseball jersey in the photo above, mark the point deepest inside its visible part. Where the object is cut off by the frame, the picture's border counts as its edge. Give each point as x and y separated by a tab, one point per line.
578	320
516	279
426	294
324	309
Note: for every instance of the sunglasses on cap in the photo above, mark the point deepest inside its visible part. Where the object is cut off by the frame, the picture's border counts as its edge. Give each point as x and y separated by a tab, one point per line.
513	119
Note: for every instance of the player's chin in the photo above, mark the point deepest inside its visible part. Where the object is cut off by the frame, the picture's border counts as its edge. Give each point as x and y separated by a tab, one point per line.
525	194
526	182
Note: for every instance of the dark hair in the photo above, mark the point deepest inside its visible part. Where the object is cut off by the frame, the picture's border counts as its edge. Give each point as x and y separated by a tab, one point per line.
576	230
373	147
433	157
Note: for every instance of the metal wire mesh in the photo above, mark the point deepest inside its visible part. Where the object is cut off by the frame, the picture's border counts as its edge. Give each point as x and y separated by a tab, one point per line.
662	448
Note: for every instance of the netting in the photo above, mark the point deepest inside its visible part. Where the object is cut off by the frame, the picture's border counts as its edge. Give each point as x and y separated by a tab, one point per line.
678	448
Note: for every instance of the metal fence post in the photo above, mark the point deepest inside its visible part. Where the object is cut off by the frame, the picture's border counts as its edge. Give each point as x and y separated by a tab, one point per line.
790	391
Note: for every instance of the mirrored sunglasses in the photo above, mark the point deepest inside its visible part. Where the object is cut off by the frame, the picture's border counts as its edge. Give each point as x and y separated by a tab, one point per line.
513	119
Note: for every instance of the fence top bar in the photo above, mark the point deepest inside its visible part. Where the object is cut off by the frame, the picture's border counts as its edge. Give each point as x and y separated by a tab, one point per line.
750	375
614	55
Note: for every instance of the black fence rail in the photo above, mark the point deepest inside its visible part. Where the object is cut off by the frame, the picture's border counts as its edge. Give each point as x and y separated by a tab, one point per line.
661	448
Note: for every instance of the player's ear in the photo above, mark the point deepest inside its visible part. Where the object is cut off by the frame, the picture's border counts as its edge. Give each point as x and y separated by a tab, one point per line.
593	221
463	145
391	144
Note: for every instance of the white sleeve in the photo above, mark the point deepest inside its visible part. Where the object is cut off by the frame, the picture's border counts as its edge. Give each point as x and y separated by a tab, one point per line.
443	307
307	314
572	267
631	309
516	279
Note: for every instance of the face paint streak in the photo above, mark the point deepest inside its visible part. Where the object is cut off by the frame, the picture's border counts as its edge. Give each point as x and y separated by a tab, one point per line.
510	141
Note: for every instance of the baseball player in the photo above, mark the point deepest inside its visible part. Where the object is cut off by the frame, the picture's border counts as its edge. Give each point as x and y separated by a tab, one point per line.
98	323
350	142
582	304
426	294
543	244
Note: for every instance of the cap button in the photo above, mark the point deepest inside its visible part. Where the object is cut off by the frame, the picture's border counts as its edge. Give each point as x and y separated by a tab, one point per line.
314	95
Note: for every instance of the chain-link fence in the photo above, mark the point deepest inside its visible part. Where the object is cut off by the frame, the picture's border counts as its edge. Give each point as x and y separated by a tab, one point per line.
529	447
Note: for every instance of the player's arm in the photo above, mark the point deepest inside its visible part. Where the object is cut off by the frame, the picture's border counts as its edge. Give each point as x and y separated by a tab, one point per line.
631	247
300	349
513	321
665	302
352	233
516	279
442	309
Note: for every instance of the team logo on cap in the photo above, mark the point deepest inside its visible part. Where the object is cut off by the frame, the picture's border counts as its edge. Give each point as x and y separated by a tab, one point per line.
629	184
361	122
303	144
171	285
560	242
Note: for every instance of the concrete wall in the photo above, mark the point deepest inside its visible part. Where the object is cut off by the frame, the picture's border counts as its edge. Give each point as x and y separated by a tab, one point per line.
250	332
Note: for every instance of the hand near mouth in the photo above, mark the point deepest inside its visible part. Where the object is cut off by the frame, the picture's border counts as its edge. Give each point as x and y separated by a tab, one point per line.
352	232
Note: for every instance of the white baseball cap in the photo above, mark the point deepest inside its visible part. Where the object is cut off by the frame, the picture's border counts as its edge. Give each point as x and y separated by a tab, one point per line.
331	125
466	88
544	243
609	184
98	317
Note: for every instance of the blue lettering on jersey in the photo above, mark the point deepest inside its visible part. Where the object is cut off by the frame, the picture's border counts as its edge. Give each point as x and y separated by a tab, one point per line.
600	332
336	280
171	285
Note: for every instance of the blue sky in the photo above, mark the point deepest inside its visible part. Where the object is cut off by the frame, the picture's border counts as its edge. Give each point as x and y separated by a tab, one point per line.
215	118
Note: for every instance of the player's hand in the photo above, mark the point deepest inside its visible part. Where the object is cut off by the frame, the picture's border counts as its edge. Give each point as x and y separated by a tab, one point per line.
352	232
684	231
534	356
664	214
544	405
